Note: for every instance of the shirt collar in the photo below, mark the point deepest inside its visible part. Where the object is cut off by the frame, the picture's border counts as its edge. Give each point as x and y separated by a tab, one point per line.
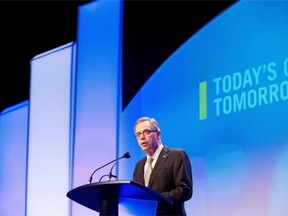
156	153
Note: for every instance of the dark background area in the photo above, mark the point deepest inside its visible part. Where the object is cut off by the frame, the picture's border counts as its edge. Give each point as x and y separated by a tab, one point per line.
153	30
29	28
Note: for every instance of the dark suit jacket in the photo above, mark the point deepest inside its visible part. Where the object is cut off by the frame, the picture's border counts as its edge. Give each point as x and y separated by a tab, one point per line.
172	177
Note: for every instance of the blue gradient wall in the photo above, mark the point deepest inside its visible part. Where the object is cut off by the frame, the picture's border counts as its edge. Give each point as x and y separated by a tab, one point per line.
222	96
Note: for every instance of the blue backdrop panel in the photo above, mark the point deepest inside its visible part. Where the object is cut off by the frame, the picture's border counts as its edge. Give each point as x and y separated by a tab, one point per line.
13	159
222	96
97	96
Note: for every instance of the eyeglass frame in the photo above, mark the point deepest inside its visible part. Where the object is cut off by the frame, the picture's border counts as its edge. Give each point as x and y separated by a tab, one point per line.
145	132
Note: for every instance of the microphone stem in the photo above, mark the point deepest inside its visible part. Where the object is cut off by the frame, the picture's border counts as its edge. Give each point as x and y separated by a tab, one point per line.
90	180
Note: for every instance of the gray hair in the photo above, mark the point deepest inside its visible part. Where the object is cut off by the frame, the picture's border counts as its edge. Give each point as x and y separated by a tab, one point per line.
152	121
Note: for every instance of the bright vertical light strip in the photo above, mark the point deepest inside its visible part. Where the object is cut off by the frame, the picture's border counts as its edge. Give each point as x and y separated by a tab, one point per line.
49	131
13	157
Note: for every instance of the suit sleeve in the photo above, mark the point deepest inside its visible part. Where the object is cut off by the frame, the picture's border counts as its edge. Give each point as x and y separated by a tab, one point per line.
182	176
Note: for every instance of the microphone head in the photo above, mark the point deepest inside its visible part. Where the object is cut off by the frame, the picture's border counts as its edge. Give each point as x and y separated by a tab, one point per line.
126	155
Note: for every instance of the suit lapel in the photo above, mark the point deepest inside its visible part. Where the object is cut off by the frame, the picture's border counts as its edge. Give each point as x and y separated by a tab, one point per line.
141	170
159	164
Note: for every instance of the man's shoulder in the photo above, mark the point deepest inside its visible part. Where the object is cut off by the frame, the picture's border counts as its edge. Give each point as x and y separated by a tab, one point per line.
173	149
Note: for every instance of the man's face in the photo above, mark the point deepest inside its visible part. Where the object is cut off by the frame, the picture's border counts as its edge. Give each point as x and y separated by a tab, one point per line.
148	142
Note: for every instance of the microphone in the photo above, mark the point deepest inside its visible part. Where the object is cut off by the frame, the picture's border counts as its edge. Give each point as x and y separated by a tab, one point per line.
126	155
110	173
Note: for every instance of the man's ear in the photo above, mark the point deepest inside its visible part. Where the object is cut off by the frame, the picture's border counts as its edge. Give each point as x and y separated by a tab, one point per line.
158	134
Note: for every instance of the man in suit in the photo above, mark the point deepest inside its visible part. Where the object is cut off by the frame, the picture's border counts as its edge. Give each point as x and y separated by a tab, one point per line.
171	173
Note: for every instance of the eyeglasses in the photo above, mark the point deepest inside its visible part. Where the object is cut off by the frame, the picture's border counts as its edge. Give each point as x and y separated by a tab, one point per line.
145	132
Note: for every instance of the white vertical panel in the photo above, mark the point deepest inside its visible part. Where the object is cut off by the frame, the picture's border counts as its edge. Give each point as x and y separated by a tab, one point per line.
51	94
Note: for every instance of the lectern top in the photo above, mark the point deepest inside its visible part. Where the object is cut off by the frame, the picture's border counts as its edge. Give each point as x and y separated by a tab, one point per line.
91	195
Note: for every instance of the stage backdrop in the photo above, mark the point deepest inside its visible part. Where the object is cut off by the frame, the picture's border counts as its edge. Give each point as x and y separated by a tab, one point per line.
221	96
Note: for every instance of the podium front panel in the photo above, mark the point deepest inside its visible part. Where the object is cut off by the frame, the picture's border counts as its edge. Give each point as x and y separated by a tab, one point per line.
134	207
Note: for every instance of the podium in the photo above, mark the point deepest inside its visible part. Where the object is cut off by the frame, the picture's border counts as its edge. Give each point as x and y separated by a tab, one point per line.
105	197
